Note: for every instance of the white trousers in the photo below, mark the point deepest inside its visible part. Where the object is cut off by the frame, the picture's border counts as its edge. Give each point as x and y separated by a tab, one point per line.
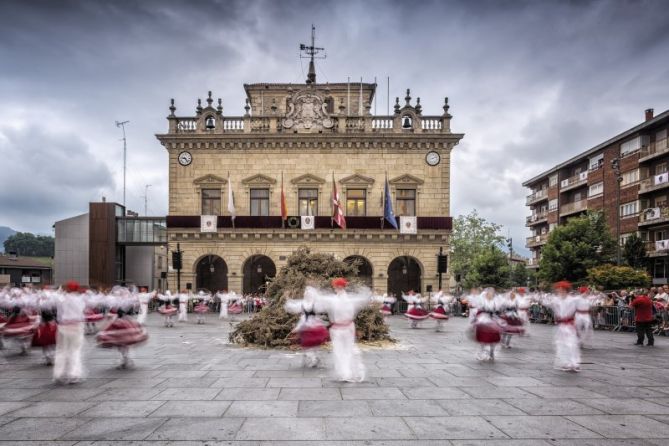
143	312
347	359
183	313
69	341
567	350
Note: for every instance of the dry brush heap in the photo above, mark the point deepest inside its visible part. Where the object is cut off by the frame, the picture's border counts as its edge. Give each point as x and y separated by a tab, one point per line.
272	326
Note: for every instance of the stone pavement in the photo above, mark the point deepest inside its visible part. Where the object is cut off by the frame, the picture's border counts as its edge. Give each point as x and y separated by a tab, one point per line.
190	387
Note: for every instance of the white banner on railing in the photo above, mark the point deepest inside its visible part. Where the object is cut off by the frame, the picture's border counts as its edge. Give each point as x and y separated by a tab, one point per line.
662	178
408	225
308	222
208	223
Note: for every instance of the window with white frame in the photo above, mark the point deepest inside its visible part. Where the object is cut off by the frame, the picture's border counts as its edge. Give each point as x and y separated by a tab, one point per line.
552	180
624	237
596	189
630	177
660	168
596	162
553	204
661	138
629	209
633	145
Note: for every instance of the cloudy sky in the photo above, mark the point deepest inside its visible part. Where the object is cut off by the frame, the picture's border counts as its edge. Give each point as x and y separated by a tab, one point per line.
530	83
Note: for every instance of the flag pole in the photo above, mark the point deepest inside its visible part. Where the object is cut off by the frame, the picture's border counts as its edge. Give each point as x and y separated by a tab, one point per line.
283	222
332	202
383	212
230	196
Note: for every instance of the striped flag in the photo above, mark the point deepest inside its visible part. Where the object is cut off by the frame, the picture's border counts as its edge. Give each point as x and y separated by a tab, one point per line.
337	211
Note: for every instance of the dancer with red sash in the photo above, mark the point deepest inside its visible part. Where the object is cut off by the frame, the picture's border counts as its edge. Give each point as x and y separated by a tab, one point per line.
567	350
415	312
483	315
511	323
124	331
441	310
310	329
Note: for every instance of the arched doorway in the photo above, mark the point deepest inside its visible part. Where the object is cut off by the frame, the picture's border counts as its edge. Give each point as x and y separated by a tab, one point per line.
258	269
403	276
365	272
212	273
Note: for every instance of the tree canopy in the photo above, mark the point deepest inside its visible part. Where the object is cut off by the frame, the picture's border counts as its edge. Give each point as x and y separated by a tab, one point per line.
634	252
572	249
489	268
612	277
472	235
27	244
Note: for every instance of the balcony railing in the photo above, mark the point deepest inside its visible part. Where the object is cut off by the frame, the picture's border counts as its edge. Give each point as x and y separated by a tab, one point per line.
536	240
657	248
655	182
323	222
340	124
574	181
541	194
536	218
653	216
654	149
533	263
576	206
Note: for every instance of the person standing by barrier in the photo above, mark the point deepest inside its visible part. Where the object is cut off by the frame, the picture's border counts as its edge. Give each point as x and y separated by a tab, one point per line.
643	318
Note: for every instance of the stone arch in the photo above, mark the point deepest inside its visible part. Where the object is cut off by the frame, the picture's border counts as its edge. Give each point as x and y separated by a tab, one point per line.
405	273
256	271
211	273
365	268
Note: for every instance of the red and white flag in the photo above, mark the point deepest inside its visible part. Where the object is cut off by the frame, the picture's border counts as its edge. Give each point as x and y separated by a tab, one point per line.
284	208
337	211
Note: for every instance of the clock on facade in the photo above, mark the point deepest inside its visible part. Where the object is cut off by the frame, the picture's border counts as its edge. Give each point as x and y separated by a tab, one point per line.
185	158
432	158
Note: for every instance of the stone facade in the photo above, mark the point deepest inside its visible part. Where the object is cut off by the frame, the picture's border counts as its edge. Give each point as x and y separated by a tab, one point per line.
305	137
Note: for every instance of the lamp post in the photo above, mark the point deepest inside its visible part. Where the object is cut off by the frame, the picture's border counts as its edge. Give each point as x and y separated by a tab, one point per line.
615	165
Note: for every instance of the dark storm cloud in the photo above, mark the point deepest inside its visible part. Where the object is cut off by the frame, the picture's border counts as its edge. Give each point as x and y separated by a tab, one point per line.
530	83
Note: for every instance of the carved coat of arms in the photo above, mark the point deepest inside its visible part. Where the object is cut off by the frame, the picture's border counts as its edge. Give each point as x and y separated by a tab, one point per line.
307	113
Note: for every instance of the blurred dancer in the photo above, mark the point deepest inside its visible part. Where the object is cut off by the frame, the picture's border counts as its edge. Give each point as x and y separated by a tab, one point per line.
183	306
512	323
386	304
167	309
342	308
582	318
483	317
70	306
441	311
45	335
202	306
310	329
415	312
567	351
144	297
123	332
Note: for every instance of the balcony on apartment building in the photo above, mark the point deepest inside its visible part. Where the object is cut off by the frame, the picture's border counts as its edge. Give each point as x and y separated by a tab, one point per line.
573	207
536	196
654	216
580	179
536	240
533	263
653	183
654	150
658	248
535	219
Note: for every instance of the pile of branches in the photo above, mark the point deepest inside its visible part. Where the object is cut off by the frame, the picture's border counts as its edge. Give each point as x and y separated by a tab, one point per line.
272	326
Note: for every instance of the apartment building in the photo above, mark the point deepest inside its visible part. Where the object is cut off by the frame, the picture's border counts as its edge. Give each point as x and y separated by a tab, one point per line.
626	176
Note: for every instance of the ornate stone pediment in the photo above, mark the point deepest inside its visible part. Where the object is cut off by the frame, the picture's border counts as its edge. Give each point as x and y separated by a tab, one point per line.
307	180
209	179
357	180
307	113
259	180
406	180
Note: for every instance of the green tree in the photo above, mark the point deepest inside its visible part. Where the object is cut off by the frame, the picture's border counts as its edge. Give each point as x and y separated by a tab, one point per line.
489	268
471	236
612	277
27	244
634	252
519	275
583	243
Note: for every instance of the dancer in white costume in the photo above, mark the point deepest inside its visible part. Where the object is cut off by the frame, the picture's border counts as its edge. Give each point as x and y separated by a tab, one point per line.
582	318
310	328
442	309
567	351
144	297
183	307
202	306
386	304
224	298
167	309
483	317
511	322
342	308
68	368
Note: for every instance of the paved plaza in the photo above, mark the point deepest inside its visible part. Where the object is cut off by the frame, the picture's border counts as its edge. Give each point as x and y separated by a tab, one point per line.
190	387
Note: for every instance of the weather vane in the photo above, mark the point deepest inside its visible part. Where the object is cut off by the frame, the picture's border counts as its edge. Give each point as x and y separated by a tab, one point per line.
311	51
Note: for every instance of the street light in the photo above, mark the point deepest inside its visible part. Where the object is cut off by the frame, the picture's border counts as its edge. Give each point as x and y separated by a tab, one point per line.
615	165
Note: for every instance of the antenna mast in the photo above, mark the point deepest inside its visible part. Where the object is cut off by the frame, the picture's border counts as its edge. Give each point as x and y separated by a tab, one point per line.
125	150
310	53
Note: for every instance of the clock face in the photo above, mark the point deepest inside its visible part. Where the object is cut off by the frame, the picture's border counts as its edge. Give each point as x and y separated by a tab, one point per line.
432	158
185	158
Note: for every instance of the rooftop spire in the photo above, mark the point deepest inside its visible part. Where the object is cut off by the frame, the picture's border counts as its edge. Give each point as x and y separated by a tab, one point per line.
310	51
